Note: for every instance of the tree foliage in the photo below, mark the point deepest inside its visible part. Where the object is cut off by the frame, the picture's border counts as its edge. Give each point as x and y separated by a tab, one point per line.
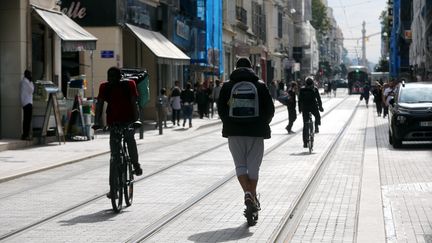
382	66
320	20
385	28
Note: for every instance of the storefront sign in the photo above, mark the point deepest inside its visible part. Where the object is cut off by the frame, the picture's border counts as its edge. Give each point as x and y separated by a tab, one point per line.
182	30
107	54
91	13
75	10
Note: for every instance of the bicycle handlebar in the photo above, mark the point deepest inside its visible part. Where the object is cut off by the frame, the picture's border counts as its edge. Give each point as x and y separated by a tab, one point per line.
134	125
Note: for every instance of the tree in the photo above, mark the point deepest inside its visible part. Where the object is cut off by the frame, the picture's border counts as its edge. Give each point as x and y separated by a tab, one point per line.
343	69
320	20
382	66
385	29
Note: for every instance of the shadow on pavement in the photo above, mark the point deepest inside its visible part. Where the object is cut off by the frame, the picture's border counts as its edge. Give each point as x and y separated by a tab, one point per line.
222	235
302	153
100	216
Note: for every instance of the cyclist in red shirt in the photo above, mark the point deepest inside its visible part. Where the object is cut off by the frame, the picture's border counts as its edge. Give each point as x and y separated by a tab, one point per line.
121	97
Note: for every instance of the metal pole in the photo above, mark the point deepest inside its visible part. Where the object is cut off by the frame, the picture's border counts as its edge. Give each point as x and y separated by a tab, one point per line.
364	44
159	109
92	75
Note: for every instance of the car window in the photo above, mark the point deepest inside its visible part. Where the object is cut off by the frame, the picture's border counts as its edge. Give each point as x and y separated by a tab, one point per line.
416	95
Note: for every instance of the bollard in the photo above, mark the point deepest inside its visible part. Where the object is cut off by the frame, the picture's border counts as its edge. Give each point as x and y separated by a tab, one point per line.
160	116
141	118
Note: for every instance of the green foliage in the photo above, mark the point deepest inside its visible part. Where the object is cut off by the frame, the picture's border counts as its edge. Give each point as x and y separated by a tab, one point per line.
382	66
326	68
385	28
343	69
320	21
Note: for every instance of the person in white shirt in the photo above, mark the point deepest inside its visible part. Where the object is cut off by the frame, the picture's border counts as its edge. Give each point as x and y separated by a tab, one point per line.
27	88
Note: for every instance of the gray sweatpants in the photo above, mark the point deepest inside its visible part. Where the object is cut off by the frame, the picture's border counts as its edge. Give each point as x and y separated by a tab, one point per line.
247	153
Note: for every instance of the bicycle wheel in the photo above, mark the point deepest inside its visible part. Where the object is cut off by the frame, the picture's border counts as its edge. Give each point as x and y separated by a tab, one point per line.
116	188
128	185
311	137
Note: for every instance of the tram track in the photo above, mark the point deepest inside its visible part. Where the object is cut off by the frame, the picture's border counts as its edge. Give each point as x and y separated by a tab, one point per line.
286	228
148	148
171	215
147	233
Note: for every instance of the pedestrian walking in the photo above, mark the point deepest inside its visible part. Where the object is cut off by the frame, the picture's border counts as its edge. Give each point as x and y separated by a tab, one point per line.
377	93
175	103
334	87
388	94
27	89
246	134
210	108
365	95
187	99
162	100
291	106
216	91
273	89
202	100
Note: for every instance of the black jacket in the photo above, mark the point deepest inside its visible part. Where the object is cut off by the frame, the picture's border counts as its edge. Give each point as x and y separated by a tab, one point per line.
259	128
309	99
188	96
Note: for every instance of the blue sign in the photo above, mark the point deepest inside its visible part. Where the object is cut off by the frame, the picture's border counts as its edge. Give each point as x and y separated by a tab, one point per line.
107	54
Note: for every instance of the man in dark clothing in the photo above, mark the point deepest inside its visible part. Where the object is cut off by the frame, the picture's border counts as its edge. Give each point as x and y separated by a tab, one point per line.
292	113
310	101
122	110
246	139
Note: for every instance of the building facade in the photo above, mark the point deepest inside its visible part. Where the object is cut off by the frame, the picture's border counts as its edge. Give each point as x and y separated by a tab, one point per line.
34	35
420	53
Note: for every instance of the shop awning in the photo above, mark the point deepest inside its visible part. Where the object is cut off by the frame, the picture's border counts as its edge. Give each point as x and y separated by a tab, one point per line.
73	36
165	51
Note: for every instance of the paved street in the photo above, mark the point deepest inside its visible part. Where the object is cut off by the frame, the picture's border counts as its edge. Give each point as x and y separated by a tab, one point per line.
354	187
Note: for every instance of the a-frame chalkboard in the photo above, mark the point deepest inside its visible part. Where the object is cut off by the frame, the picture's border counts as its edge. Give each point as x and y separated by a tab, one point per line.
53	103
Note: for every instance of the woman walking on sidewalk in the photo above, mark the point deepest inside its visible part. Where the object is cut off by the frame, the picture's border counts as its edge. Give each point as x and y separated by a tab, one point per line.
187	100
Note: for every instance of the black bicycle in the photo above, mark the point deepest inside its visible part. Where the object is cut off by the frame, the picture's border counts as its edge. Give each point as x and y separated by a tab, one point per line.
310	132
121	178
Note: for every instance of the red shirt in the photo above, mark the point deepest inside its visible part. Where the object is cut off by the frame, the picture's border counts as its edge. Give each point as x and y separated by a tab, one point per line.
119	98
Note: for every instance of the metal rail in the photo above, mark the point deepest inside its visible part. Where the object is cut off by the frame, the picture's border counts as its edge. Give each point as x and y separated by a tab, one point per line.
148	231
286	228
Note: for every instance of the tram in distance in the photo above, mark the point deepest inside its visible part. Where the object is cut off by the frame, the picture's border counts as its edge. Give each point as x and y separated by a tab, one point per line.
357	79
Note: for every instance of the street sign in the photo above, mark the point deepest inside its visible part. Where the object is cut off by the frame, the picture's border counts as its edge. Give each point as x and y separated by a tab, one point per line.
107	54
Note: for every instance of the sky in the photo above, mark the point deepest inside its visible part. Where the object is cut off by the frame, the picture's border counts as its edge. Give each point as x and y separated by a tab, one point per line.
349	15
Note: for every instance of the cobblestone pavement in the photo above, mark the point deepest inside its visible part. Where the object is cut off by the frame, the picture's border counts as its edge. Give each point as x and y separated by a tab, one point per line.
406	180
181	165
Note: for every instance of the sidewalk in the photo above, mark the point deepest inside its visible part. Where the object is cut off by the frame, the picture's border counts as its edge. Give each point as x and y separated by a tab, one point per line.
19	158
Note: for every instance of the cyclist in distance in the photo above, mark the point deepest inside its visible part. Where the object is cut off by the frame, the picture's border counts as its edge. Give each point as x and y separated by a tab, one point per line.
309	100
121	97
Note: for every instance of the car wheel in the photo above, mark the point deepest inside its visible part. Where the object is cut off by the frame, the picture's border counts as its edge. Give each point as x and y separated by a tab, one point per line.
397	143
